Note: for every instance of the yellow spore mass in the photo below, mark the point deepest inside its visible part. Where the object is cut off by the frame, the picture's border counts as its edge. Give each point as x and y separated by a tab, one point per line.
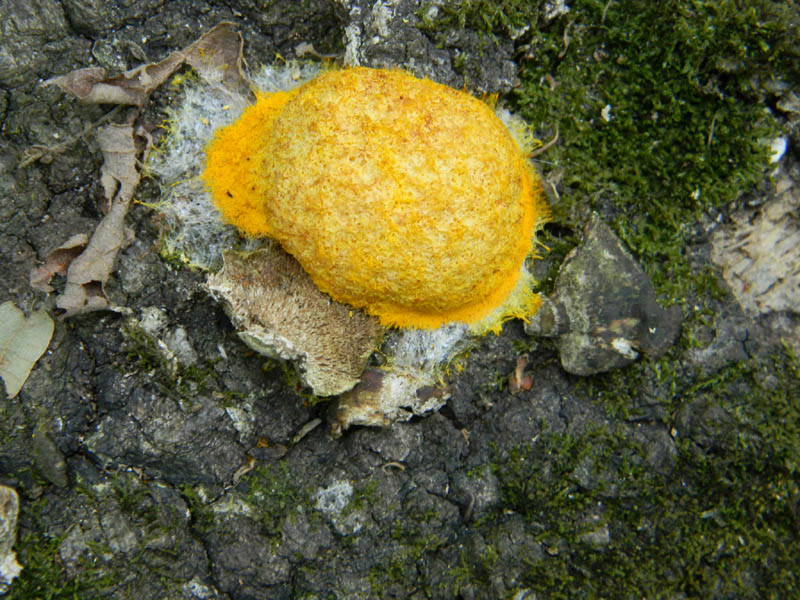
397	195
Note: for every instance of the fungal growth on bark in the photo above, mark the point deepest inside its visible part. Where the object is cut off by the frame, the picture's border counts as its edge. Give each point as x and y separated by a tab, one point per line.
400	196
405	211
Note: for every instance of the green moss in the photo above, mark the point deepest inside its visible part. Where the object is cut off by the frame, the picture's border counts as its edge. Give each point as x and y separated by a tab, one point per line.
292	381
407	569
273	491
133	497
364	496
679	82
181	382
723	523
683	131
202	517
44	576
488	17
660	109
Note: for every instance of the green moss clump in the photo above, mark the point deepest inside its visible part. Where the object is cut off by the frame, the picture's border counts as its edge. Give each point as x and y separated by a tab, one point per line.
43	575
658	114
724	523
179	381
274	493
659	107
202	518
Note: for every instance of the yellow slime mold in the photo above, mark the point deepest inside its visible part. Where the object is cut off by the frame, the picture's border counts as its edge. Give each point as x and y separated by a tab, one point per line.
397	195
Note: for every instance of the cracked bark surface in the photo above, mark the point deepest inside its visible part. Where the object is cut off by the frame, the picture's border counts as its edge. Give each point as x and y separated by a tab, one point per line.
176	476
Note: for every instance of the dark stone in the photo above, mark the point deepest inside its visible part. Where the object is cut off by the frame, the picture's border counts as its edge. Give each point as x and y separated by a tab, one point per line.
32	33
604	311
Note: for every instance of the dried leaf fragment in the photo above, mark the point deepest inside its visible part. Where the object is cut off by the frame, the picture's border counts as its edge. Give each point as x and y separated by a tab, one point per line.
118	176
217	57
89	272
57	262
213	55
22	342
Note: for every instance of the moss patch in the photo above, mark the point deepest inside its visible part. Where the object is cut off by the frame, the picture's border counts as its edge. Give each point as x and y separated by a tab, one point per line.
661	111
274	491
724	523
44	575
659	107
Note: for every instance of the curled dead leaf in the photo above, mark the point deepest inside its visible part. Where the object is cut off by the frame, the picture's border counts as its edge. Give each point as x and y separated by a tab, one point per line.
89	271
57	262
216	56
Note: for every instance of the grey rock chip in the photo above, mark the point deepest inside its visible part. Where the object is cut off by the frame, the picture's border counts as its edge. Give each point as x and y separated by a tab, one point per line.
177	340
604	312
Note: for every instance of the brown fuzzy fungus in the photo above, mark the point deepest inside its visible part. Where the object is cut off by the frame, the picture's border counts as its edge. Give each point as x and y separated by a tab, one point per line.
279	312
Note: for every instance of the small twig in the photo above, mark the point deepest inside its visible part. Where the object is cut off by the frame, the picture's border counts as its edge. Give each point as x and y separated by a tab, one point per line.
711	132
544	148
468	510
392	465
305	430
566	40
608	5
249	465
40	152
555	191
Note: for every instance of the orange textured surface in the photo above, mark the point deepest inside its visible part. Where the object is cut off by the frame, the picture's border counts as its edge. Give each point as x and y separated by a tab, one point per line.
397	195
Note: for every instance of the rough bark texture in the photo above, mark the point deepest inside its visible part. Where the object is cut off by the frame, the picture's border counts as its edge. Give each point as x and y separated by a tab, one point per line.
156	456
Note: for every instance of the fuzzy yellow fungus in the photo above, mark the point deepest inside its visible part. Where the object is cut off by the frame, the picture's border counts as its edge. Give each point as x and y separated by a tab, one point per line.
397	195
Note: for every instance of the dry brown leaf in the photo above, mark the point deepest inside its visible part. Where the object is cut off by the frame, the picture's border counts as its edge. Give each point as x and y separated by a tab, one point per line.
57	262
217	57
91	85
118	176
88	272
22	342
